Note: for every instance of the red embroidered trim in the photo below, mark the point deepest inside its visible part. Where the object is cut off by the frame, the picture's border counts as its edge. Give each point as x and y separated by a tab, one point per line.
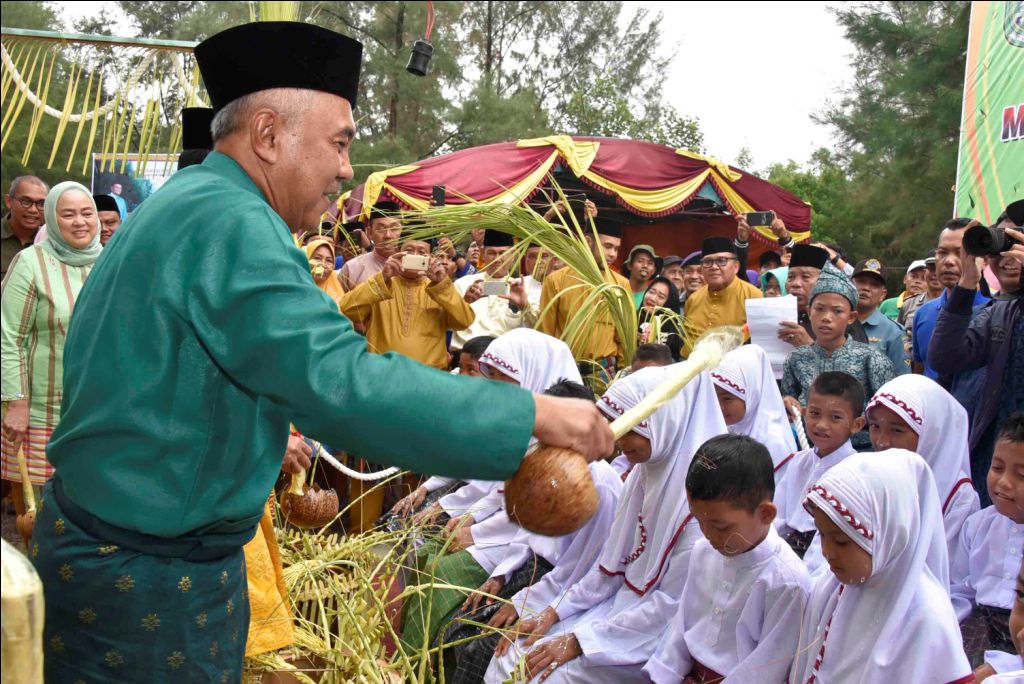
899	402
495	361
618	409
661	566
824	638
784	462
843	511
726	381
626	560
952	492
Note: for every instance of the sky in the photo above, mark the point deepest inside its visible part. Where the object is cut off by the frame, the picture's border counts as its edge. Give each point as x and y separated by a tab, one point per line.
753	73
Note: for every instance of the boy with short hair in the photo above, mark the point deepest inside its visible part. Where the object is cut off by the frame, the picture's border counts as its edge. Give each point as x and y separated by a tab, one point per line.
833	309
983	571
833	415
740	612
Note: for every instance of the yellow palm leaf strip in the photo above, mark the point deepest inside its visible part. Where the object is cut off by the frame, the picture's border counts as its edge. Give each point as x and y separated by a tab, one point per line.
129	128
37	114
81	120
109	123
92	125
16	52
144	135
12	114
706	355
69	105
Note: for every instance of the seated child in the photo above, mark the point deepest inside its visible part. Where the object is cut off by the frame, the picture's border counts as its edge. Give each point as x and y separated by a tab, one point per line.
607	625
752	405
535	571
474	545
651	355
992	539
882	613
832	308
469	356
746	591
915	413
1007	668
832	416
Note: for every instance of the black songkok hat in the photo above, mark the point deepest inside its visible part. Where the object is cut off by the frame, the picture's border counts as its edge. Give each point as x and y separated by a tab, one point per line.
495	238
195	128
716	245
278	54
808	255
105	203
385	210
607	226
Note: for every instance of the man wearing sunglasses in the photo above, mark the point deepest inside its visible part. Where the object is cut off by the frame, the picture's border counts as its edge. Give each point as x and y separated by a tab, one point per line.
721	300
24	203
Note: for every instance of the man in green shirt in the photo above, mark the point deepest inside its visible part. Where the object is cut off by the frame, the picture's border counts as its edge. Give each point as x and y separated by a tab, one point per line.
188	356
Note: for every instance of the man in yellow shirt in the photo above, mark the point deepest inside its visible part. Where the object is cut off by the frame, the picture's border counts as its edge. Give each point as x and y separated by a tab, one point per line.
409	311
722	299
601	344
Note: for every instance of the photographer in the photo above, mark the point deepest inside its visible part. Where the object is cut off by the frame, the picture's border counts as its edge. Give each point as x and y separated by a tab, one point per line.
993	340
385	230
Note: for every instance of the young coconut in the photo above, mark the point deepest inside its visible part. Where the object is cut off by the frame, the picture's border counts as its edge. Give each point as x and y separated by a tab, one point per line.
305	506
553	493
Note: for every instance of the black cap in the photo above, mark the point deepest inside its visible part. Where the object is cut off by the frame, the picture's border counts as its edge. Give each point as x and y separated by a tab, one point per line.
809	256
105	203
870	267
195	128
769	256
692	259
608	226
385	209
278	54
1015	212
495	238
716	245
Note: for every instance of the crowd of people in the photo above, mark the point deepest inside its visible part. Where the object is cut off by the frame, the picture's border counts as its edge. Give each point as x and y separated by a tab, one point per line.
887	547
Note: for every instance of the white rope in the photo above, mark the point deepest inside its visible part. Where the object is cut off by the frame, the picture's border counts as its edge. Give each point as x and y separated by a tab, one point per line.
801	433
73	118
320	452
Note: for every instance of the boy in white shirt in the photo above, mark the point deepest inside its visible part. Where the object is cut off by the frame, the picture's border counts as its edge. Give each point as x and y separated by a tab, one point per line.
833	415
740	614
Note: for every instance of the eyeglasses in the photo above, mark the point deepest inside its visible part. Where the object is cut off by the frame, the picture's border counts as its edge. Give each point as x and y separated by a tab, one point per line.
25	202
720	262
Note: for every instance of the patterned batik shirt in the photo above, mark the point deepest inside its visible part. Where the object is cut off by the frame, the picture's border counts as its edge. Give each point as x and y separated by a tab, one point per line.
863	361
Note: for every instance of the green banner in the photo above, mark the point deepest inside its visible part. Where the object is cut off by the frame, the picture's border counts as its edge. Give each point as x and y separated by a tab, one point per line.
990	168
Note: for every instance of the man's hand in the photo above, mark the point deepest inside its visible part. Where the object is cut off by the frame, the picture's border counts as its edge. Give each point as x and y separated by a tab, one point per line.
547	657
296	457
794	333
491	586
1017	250
778	228
445	244
791	403
589	209
743	229
517	294
15	423
474	292
410	503
393	266
436	272
574	424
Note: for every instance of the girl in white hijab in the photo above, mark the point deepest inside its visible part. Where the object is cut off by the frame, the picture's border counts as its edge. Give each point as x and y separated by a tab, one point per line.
915	413
609	624
752	404
883	613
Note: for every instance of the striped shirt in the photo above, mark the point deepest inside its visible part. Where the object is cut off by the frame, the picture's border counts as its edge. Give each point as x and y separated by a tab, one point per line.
39	293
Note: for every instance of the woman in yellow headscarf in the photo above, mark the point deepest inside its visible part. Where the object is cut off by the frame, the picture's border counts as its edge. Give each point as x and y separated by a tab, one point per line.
320	253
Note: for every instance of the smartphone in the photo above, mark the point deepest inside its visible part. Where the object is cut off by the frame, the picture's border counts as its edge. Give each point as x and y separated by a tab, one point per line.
495	287
415	262
760	218
439	195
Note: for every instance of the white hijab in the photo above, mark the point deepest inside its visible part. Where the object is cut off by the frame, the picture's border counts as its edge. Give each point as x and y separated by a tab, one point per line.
940	423
537	361
653	508
746	373
899	625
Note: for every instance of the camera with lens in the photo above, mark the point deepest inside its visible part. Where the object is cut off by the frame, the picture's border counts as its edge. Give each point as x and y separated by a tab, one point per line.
987	241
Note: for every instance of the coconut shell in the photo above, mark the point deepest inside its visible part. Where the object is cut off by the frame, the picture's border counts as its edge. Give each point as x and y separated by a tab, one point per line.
26	523
552	493
314	508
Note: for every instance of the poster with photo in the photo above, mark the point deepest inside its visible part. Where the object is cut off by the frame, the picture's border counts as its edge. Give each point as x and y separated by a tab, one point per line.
123	177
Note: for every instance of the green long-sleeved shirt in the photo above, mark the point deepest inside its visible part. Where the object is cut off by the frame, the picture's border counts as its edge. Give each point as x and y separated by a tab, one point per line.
198	337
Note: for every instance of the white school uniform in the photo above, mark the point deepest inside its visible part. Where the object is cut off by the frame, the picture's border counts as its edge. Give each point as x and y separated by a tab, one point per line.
987	561
468	498
942	426
1015	677
805	468
1005	664
739	616
747	374
435	482
622	606
899	624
